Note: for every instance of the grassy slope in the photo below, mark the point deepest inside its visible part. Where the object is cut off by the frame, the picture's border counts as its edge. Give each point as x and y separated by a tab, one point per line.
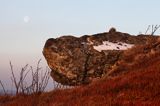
140	85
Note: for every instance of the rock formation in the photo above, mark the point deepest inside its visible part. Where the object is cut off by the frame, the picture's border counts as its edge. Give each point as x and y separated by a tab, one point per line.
79	60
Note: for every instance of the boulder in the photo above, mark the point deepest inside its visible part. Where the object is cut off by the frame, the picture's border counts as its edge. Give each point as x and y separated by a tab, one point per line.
80	60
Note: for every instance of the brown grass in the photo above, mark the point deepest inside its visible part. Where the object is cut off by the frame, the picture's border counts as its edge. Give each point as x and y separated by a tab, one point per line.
137	57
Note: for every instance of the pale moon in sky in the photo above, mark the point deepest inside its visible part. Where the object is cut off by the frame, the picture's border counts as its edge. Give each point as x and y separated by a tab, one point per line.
26	19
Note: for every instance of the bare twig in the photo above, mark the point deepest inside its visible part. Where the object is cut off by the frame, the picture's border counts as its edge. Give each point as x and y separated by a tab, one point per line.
13	78
39	80
3	87
38	83
147	29
154	29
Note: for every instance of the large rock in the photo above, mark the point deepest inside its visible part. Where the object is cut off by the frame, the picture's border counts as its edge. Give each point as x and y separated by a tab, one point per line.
76	61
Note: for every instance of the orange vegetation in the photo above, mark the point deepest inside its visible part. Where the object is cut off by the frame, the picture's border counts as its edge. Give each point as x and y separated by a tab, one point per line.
139	84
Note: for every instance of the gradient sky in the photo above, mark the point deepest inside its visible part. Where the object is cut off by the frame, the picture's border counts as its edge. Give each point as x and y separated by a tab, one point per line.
22	40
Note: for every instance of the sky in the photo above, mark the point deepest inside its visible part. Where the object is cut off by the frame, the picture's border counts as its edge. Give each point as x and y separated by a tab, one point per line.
25	25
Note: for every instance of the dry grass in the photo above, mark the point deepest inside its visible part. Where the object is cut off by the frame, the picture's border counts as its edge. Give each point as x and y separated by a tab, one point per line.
137	57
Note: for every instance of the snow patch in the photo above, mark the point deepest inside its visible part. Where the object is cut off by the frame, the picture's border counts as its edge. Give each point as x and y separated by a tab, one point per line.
113	46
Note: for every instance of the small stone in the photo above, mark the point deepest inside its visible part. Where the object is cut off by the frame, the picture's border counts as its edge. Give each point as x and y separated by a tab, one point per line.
112	30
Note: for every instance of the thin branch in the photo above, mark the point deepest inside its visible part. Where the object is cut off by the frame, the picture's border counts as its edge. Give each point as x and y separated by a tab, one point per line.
3	88
39	79
147	29
154	29
14	78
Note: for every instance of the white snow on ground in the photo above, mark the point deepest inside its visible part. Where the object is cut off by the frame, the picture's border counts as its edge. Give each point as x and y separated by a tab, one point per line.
112	46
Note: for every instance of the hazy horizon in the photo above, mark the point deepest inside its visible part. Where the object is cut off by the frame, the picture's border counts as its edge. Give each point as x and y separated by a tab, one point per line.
26	25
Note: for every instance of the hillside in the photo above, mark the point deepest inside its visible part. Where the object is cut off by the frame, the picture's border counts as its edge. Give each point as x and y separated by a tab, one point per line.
133	80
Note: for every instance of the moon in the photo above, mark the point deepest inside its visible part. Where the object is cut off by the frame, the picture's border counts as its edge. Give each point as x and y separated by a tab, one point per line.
26	19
